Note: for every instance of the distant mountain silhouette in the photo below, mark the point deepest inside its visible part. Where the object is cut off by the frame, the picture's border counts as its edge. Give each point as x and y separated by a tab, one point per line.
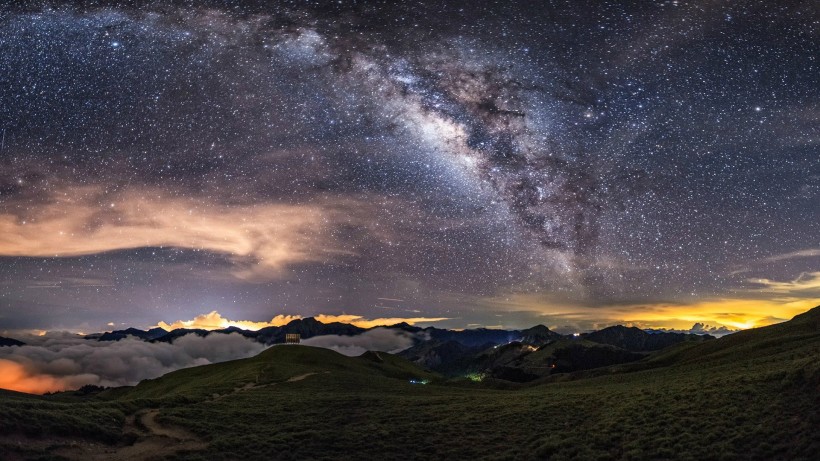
404	326
473	338
443	356
517	361
306	328
511	355
526	355
180	332
10	342
539	335
153	333
637	340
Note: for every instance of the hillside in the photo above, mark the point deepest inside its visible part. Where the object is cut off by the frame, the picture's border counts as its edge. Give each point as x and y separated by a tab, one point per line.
520	361
637	340
752	395
275	365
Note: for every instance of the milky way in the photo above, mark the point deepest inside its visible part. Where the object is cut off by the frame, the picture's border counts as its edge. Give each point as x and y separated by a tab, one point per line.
163	159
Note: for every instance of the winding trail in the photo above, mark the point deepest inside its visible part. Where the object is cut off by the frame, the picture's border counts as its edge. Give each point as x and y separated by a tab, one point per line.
154	440
301	377
149	421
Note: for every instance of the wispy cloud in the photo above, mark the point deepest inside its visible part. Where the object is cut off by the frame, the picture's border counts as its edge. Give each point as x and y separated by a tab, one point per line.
805	253
807	284
260	240
362	322
795	254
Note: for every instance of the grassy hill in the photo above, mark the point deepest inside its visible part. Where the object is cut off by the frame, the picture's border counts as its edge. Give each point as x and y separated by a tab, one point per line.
751	395
275	365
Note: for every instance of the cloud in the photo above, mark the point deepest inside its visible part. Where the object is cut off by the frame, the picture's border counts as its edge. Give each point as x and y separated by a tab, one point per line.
733	313
61	361
808	253
362	322
378	339
758	308
214	321
261	240
700	328
15	377
807	284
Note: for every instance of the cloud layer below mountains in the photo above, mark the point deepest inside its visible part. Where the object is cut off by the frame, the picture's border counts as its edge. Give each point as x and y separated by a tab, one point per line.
64	361
60	361
377	339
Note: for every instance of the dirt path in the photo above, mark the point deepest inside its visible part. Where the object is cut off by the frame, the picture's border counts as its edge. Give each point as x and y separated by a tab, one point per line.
249	386
149	421
155	441
301	377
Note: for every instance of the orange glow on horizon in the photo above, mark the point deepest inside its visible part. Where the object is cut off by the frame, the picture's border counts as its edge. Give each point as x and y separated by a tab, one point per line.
734	313
215	321
361	322
15	377
740	314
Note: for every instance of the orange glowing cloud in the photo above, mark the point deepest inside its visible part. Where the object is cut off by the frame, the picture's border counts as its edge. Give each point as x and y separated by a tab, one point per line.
215	321
261	240
15	377
362	322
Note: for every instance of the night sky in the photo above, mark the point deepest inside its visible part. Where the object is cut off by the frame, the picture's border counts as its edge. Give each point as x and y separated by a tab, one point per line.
507	163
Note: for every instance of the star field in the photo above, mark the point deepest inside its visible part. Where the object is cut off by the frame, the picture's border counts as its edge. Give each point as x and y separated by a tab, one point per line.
541	161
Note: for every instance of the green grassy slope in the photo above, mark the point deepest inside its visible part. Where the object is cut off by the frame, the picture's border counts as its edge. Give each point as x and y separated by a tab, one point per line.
36	415
752	395
275	365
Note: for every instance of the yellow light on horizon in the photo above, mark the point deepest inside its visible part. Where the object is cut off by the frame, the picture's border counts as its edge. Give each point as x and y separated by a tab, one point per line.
741	325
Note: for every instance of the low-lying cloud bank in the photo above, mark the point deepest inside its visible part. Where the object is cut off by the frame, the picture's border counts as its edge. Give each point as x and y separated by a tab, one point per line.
703	329
62	361
377	339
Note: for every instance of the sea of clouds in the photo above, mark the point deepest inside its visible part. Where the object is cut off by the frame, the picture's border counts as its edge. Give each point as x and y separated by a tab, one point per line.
61	361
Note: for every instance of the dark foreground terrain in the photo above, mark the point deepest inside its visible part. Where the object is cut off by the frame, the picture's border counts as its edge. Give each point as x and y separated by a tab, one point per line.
750	395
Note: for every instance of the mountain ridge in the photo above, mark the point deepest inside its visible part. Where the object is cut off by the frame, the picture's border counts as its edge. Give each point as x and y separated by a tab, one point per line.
677	403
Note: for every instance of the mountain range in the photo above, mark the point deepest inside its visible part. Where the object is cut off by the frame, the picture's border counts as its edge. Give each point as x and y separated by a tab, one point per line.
510	355
749	395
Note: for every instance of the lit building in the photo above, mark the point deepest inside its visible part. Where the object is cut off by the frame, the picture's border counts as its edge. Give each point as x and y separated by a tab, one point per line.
292	338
